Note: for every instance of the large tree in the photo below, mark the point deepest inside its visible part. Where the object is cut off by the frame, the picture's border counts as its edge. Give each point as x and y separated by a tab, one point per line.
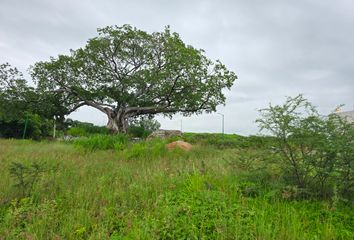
126	73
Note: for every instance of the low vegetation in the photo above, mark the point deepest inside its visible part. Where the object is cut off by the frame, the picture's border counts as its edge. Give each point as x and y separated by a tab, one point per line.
297	184
101	142
143	191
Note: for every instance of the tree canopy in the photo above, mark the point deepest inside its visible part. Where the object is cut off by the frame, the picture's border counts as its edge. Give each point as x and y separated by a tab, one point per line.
12	92
125	73
19	101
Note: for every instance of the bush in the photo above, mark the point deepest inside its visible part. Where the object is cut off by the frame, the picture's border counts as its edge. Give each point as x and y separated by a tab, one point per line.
101	142
223	141
213	139
83	129
317	152
138	131
143	127
27	175
149	150
37	127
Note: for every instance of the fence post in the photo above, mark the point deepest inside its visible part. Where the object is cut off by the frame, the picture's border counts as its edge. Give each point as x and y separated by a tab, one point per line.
25	129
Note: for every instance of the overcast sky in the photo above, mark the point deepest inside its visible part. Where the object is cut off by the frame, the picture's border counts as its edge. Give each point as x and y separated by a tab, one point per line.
277	48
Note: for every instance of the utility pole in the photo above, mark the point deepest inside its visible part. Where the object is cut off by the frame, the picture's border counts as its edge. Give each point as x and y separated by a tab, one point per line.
181	124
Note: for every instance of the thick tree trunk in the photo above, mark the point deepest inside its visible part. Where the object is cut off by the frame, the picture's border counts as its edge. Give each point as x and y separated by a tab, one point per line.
117	123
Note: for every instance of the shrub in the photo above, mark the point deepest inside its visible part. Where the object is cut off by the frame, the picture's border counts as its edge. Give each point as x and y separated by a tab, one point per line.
37	127
101	142
150	149
214	139
142	127
27	175
77	132
138	131
223	141
83	129
317	152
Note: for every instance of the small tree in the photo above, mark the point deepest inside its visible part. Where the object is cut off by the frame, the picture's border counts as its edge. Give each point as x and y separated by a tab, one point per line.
317	151
126	73
284	121
341	141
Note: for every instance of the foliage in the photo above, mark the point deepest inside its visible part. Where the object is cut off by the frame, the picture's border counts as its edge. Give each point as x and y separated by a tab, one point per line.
127	73
19	101
84	129
37	127
317	151
143	127
12	91
101	142
27	175
205	211
227	140
23	211
206	193
140	128
147	150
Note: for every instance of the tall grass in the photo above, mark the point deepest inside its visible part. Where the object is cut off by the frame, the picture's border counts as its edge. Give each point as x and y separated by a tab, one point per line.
101	142
226	140
147	192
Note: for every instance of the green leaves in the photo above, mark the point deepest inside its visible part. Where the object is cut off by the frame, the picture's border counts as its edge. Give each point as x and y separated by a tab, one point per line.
27	175
19	101
12	89
316	150
126	68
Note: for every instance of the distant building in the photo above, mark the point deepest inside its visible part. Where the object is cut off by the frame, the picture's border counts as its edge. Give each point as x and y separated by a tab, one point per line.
349	115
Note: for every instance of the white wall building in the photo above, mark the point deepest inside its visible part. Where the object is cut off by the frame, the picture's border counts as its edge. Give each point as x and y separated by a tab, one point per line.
349	115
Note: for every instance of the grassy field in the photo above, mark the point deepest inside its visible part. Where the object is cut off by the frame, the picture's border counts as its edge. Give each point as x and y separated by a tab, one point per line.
146	192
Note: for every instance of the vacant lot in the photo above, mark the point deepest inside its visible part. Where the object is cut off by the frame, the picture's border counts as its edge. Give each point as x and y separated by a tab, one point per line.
146	192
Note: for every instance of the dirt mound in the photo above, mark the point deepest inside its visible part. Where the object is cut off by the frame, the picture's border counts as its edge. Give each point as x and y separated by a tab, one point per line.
179	144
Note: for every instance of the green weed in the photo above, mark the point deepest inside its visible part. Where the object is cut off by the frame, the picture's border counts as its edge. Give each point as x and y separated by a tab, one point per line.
147	192
101	142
